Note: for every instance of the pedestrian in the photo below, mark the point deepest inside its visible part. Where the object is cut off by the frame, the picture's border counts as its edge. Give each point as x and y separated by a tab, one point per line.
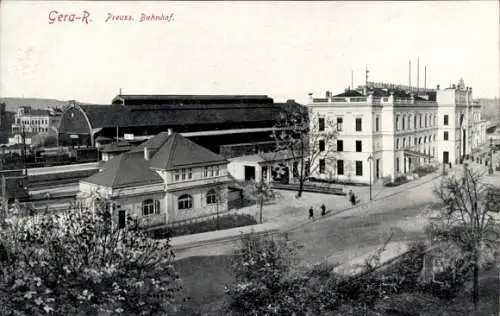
449	164
323	210
311	213
353	199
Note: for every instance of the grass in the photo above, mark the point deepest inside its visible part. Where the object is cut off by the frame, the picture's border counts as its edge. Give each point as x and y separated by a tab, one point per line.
225	222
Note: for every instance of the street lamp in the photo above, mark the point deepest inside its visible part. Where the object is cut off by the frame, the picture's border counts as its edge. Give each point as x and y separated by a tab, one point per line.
370	161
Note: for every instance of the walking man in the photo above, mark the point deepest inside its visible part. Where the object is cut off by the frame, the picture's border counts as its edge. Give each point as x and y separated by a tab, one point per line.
311	213
323	210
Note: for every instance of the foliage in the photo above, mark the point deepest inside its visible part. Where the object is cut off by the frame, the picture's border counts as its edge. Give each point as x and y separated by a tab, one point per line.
297	134
260	192
225	222
465	221
79	263
397	181
424	170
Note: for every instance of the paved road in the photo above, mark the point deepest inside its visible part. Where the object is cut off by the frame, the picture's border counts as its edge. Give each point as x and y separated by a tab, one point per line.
352	232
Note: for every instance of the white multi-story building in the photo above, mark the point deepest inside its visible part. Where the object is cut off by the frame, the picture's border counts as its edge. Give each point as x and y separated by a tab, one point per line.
29	122
392	129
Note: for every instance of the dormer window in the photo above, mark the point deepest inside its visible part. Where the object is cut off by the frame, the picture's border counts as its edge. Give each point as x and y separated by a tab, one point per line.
176	175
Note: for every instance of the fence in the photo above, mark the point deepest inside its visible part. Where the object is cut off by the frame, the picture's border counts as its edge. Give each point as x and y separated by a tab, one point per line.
315	188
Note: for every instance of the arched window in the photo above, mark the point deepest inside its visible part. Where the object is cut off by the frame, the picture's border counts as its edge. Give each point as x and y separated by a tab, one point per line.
404	142
425	139
150	207
403	122
185	202
409	121
420	140
397	122
211	197
397	143
415	140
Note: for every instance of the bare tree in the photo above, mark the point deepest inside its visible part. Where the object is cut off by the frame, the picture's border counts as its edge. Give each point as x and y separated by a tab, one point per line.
259	192
466	219
307	138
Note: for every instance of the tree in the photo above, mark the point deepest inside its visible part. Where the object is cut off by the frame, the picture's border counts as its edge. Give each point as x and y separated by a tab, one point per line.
306	139
466	221
261	268
259	192
80	263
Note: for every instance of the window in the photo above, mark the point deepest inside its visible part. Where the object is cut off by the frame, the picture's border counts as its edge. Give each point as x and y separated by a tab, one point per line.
340	167
434	119
445	120
359	168
321	145
404	142
340	124
321	124
445	135
176	175
397	123
183	174
340	145
403	123
377	123
409	121
415	122
397	164
358	146
420	121
217	171
150	207
425	125
185	202
434	137
358	124
190	173
211	197
397	143
205	173
322	166
211	171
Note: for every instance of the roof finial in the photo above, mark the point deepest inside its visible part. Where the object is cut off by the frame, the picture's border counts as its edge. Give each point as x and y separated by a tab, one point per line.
120	91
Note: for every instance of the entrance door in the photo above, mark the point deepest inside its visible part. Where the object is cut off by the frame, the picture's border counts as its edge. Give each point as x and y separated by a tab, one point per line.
446	157
122	220
249	173
377	168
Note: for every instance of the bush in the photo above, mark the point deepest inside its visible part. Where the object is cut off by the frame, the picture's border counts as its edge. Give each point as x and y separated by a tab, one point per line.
397	181
424	170
225	222
336	181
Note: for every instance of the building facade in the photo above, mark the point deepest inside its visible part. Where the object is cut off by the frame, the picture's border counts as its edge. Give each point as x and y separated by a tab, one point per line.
392	129
165	179
29	122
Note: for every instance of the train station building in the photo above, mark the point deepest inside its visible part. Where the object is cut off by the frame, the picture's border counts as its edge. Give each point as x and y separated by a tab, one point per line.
232	125
387	130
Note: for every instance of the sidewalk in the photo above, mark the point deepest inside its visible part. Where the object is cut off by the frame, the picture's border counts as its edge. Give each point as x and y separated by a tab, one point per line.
289	213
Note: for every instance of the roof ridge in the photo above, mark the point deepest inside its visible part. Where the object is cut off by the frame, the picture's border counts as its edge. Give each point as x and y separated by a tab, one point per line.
118	165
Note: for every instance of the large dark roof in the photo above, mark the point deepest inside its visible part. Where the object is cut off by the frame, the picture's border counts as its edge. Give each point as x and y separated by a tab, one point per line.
146	115
174	151
127	170
190	99
167	152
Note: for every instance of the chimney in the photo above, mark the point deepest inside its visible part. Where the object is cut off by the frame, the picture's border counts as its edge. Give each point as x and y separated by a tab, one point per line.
310	97
146	153
453	86
437	87
169	131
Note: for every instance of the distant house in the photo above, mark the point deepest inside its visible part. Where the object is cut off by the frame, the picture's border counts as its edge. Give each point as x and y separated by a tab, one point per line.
35	125
263	167
165	179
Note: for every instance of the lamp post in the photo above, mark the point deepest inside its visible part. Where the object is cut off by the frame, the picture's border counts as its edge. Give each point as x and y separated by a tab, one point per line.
370	161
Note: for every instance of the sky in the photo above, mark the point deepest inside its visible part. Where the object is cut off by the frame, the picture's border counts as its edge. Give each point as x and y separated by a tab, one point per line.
282	49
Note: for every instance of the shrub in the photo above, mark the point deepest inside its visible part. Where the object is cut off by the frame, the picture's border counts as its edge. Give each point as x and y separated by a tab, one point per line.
225	222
